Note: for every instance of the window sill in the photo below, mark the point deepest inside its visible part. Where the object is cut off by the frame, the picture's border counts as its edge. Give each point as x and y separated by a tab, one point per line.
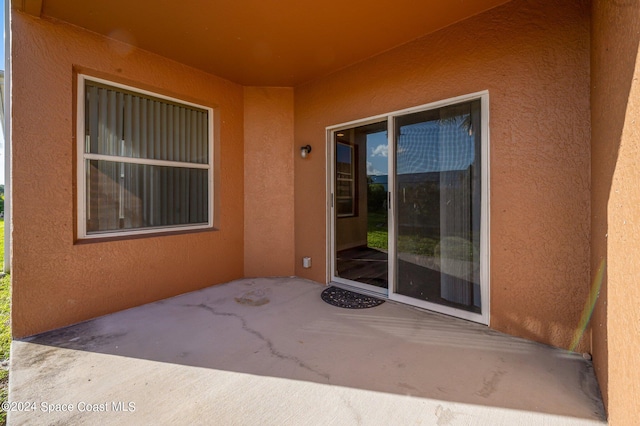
107	238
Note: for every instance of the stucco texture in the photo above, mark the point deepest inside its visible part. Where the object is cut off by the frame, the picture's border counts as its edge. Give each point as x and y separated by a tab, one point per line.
57	281
268	181
533	58
615	97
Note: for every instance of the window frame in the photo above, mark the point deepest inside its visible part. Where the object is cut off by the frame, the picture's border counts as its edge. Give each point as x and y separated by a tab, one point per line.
352	179
82	157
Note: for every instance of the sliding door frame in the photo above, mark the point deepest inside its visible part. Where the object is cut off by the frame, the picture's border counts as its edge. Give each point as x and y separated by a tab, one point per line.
332	217
391	293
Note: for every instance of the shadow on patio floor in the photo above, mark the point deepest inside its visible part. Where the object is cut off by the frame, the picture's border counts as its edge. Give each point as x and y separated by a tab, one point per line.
203	357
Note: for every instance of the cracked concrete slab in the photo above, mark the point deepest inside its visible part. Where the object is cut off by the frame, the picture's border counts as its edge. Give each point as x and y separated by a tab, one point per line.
269	351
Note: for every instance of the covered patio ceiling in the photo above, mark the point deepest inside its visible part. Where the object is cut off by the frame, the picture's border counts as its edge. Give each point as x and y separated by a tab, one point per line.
261	42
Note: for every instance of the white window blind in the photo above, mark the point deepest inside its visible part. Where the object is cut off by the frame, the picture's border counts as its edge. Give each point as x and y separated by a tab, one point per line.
146	162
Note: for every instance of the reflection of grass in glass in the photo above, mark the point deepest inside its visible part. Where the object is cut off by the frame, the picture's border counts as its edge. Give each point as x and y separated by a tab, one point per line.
415	244
377	234
378	238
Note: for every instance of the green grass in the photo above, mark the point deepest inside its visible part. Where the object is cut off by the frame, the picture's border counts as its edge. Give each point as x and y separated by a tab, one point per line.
378	238
415	244
5	326
377	235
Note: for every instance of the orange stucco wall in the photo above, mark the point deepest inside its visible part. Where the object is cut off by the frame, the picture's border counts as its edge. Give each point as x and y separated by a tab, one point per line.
268	181
56	281
533	58
615	98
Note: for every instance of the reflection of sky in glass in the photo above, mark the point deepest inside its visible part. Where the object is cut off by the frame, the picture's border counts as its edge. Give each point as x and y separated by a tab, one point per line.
377	154
435	146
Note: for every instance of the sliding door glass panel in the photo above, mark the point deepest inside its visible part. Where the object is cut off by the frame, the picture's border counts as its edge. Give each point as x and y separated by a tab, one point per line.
361	219
438	191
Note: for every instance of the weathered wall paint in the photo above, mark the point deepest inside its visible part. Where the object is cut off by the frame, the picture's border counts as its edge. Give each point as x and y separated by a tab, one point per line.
268	181
533	57
56	281
615	198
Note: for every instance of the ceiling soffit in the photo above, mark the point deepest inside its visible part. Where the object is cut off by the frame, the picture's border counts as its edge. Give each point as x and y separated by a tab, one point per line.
262	42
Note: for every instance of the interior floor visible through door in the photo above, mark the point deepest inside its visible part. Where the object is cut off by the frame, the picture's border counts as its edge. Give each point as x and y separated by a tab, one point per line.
368	265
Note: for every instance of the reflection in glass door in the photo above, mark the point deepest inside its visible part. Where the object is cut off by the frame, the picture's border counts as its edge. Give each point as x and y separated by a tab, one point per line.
360	213
410	206
438	204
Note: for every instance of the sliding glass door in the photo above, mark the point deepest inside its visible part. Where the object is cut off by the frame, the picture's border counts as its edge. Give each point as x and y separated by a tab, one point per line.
360	214
410	216
438	194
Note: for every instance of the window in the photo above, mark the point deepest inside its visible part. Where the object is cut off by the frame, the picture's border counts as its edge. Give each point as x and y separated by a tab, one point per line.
345	180
144	161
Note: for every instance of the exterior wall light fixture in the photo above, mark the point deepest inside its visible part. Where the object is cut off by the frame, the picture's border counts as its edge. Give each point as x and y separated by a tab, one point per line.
305	150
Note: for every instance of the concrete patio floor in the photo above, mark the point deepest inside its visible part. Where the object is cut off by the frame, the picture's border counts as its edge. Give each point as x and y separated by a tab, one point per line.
209	357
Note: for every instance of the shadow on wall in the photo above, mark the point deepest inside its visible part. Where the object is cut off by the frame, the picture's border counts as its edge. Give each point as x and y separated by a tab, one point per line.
538	330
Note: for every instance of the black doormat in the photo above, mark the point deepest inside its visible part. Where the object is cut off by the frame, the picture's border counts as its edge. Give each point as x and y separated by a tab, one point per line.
348	299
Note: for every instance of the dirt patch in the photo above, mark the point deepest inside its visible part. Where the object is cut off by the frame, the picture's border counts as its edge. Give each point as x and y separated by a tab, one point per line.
253	298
